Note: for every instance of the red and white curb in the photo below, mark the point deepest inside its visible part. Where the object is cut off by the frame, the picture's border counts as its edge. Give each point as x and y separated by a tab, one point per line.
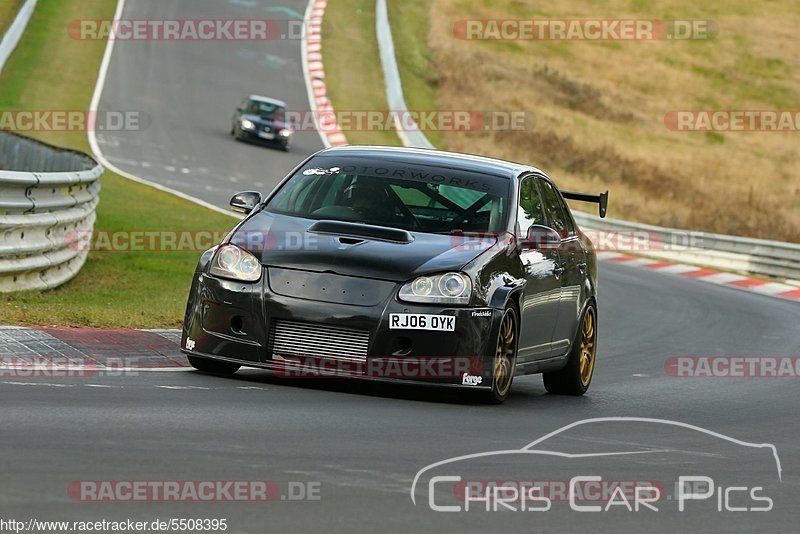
711	276
42	349
314	72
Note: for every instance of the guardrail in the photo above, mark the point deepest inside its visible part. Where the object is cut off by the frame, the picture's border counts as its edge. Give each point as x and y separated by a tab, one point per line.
48	197
743	254
757	256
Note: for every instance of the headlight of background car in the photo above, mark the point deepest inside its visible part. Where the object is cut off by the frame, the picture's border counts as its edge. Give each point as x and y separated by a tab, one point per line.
232	262
248	125
285	132
449	288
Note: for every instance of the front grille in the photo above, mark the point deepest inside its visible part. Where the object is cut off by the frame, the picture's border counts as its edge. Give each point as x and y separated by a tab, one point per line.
290	338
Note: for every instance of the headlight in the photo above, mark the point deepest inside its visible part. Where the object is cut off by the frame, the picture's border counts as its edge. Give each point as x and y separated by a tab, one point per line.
248	125
232	262
285	132
449	288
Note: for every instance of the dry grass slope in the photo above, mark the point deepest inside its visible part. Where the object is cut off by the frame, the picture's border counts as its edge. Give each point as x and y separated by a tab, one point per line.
600	108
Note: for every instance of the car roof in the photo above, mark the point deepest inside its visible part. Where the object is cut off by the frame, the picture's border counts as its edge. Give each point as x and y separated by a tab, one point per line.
428	156
267	100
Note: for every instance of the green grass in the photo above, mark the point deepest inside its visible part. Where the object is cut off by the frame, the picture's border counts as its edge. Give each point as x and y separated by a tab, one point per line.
8	10
49	70
114	289
353	72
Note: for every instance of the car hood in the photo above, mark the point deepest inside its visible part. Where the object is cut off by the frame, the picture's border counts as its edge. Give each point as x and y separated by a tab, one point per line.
291	242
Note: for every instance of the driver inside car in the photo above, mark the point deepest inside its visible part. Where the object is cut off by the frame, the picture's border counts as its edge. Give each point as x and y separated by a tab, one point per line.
369	200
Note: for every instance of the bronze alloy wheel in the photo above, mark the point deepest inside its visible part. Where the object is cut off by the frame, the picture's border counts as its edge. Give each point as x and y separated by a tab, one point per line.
588	346
506	353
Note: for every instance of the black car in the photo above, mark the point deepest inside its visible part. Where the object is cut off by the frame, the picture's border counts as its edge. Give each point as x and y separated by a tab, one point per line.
262	120
402	264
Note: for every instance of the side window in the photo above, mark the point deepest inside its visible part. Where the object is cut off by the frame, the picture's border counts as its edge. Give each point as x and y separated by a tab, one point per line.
530	206
555	209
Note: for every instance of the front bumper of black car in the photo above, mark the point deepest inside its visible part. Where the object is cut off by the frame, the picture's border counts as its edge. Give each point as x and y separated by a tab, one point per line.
254	325
254	136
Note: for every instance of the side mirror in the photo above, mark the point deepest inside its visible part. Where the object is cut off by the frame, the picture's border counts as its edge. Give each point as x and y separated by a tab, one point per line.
245	202
541	238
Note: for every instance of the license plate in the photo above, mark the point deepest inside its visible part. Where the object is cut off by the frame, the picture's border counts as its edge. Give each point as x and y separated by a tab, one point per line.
266	135
419	321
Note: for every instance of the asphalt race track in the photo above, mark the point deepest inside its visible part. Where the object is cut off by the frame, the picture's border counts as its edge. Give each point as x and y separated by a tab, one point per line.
187	92
364	443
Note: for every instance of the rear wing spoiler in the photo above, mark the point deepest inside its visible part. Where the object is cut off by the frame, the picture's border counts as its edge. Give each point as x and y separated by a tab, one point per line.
601	199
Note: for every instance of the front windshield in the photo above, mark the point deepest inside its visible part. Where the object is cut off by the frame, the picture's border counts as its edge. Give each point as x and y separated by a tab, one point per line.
416	199
265	110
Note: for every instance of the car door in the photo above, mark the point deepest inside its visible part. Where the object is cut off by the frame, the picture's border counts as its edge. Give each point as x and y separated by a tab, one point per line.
542	293
572	265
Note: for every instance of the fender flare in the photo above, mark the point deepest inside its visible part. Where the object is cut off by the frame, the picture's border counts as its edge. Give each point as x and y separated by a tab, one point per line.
502	294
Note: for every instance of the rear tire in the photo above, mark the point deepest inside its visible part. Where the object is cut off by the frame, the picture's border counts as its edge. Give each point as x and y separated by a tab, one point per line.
505	359
213	366
576	376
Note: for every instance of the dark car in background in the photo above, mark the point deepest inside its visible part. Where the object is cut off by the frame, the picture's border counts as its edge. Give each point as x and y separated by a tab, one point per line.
378	254
262	120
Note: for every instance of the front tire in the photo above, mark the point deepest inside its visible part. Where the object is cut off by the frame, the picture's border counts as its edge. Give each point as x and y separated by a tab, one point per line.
576	376
505	358
212	366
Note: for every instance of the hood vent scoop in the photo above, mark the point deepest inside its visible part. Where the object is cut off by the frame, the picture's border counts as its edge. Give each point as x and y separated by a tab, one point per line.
350	241
356	230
